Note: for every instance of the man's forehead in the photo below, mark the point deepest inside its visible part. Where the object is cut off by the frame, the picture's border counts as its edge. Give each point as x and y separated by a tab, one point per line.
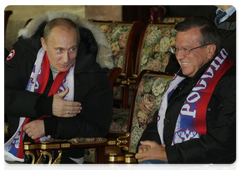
59	34
190	36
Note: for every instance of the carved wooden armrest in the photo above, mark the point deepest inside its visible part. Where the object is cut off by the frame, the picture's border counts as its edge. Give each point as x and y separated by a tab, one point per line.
123	141
50	151
131	81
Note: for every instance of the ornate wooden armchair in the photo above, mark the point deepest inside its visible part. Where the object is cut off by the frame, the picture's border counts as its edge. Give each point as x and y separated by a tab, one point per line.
5	16
153	54
148	92
123	38
153	48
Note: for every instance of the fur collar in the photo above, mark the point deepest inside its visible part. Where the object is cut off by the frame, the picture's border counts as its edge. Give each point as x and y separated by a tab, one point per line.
104	56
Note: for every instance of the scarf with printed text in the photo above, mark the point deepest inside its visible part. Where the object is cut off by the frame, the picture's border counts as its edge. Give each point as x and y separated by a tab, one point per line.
191	122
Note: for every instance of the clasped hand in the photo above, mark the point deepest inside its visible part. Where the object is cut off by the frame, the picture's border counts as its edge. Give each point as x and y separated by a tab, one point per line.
151	150
34	129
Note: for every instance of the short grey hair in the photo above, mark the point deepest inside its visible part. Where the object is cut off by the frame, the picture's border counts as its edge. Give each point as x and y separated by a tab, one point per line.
62	22
209	32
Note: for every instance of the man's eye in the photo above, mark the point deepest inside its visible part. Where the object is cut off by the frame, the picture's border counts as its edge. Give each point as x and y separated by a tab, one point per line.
72	49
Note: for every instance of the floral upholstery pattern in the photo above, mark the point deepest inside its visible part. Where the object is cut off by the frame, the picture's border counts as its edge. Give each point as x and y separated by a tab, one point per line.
173	19
147	102
117	36
119	120
156	47
117	90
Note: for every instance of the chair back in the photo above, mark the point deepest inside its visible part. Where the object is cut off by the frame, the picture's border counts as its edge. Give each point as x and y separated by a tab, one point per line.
147	96
122	38
154	47
5	16
147	99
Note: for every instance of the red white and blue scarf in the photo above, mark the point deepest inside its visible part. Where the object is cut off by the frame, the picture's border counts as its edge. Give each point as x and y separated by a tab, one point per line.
13	148
191	122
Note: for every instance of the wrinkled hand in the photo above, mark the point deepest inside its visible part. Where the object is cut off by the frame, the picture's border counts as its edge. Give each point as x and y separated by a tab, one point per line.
143	148
35	129
151	150
64	108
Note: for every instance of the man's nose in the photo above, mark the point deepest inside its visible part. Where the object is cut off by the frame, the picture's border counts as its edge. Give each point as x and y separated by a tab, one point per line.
179	55
65	57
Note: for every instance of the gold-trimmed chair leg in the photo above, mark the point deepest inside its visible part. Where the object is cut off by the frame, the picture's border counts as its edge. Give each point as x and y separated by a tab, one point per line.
58	159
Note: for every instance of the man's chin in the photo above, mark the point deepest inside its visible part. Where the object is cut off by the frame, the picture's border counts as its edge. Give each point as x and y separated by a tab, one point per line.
64	69
185	72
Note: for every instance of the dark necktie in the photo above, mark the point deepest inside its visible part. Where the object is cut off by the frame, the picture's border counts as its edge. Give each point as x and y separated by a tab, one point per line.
220	14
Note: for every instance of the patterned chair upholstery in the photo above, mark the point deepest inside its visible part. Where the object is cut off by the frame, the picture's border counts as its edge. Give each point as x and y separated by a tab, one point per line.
148	93
153	54
5	16
154	47
119	122
122	37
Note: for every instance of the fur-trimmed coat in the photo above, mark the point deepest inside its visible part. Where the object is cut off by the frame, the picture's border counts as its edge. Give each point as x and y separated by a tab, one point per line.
104	57
91	84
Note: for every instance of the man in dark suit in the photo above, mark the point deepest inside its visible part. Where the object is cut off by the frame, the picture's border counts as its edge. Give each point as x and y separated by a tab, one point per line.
227	30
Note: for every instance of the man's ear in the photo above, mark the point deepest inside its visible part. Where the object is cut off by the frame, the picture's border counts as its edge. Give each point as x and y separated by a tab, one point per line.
44	45
211	51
